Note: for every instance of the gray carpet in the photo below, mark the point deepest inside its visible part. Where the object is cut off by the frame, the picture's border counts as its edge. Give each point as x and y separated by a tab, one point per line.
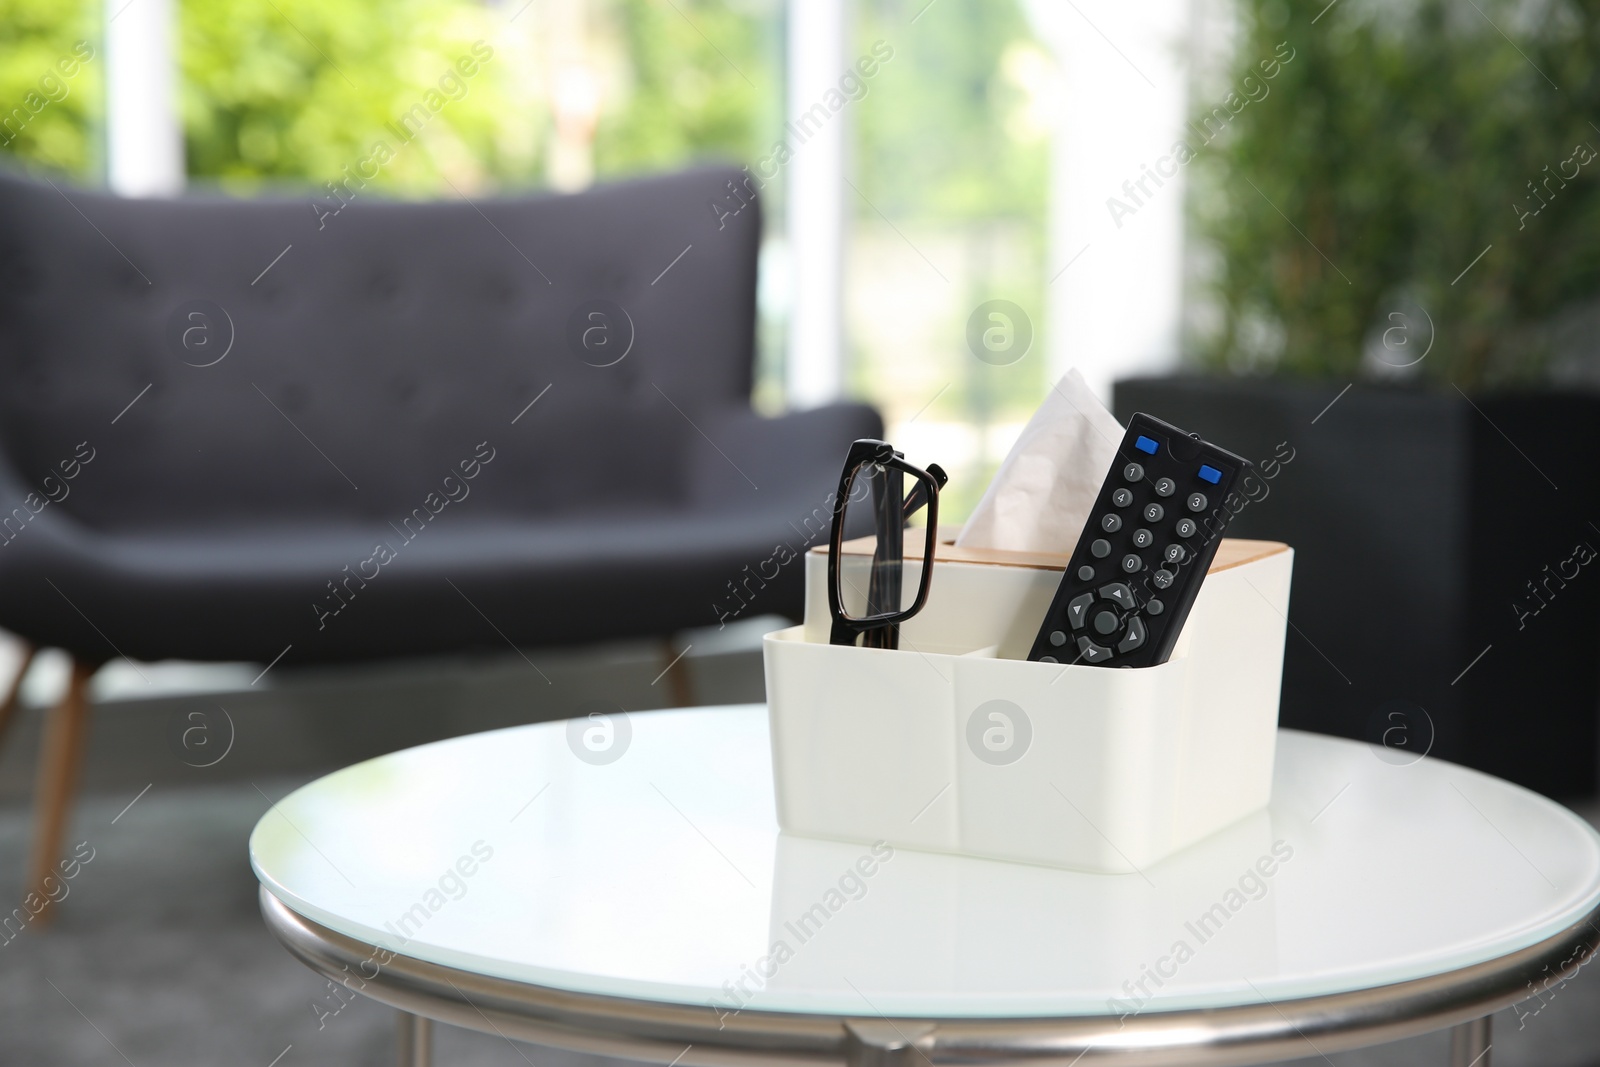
159	955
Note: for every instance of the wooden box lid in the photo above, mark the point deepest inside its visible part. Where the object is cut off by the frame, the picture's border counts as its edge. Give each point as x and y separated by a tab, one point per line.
1232	552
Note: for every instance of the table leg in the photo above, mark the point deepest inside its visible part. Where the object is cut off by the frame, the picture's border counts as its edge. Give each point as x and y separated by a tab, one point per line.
1469	1044
415	1040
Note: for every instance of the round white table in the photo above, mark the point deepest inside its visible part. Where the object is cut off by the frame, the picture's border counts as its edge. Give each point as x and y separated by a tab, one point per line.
626	890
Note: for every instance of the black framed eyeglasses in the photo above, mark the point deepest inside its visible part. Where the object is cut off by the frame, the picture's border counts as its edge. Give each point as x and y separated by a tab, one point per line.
878	494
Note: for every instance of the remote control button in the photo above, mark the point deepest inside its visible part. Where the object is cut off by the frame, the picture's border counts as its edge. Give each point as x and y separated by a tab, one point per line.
1154	606
1208	473
1154	512
1111	523
1143	538
1197	501
1133	472
1058	637
1166	487
1048	659
1173	553
1104	623
1101	548
1085	573
1135	637
1122	498
1132	564
1078	610
1162	579
1146	445
1186	527
1090	652
1119	595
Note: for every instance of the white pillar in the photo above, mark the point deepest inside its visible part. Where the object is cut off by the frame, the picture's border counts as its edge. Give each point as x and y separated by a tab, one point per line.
814	185
1116	310
144	139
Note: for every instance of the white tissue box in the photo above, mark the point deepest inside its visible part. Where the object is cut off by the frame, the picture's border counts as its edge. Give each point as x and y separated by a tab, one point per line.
955	743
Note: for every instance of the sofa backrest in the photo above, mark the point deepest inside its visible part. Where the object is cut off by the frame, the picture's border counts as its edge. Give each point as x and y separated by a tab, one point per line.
268	360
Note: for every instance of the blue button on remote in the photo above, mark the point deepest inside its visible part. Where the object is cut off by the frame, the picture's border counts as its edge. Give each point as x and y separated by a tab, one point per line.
1210	474
1145	444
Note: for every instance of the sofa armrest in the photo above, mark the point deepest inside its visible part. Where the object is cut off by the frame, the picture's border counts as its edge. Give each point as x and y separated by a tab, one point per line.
749	461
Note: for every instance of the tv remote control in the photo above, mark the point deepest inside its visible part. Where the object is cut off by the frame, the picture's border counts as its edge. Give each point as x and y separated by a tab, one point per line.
1143	552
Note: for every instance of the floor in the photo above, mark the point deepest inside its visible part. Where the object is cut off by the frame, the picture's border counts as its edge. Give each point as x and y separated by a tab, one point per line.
160	957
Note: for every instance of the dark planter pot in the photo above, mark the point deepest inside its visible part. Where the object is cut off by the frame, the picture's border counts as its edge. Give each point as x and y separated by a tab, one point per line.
1446	588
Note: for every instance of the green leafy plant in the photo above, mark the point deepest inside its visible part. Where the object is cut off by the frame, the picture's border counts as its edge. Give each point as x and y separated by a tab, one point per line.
1398	145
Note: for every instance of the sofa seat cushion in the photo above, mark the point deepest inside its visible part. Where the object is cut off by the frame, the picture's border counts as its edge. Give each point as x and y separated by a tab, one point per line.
336	593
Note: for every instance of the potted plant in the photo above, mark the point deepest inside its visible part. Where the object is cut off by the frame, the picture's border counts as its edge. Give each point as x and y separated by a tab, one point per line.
1397	272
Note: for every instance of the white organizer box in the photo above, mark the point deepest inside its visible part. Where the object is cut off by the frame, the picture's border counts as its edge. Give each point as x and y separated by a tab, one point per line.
955	743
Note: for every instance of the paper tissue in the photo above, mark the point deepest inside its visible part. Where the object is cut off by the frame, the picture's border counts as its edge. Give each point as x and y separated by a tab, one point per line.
1041	495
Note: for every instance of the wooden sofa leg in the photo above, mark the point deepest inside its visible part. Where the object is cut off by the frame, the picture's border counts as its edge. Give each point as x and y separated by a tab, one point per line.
13	694
66	730
675	674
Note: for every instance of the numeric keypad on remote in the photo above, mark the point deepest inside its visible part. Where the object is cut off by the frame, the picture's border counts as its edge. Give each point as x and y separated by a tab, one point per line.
1143	552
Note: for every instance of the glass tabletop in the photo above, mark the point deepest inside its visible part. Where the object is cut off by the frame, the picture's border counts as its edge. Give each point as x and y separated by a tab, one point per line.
652	867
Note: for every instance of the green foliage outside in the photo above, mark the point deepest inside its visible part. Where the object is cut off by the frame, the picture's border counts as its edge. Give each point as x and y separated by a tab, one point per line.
932	138
278	92
263	100
688	97
295	90
35	36
938	150
1400	142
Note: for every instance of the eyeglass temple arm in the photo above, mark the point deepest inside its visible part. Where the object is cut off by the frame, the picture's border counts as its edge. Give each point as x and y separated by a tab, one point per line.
918	497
